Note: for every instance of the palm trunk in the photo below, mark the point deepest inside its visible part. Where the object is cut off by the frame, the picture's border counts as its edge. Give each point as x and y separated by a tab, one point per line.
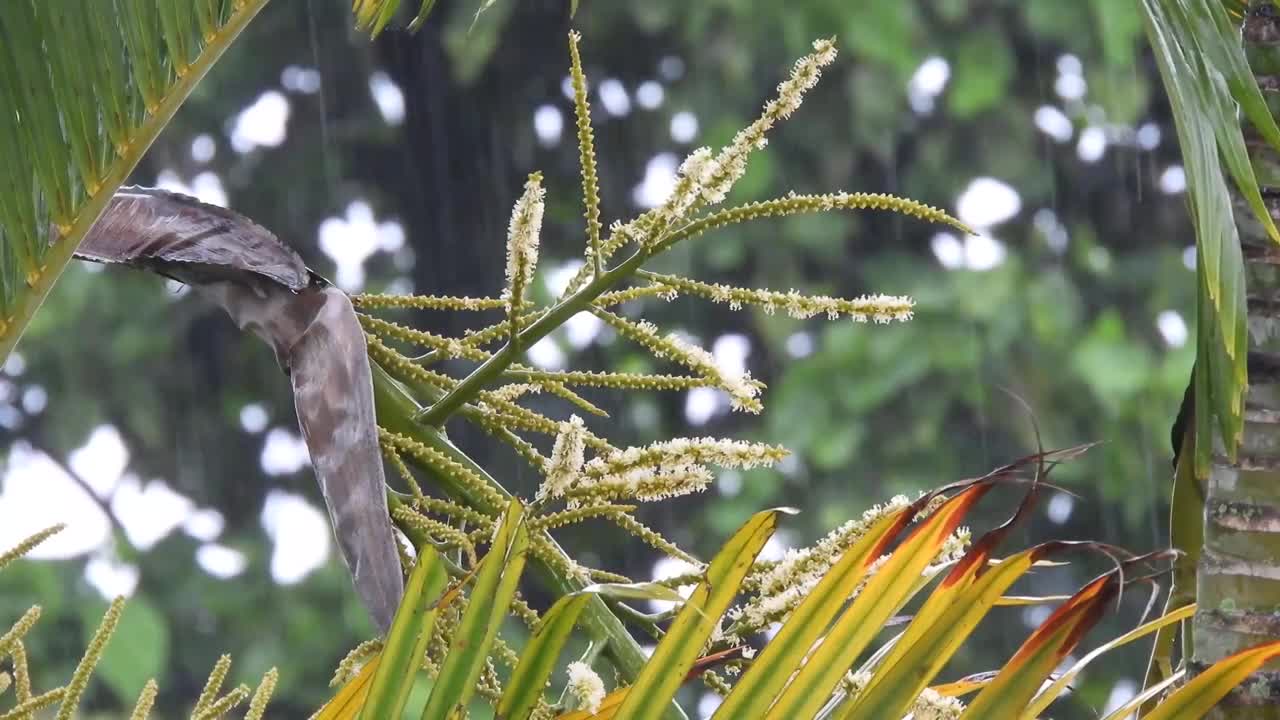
1238	573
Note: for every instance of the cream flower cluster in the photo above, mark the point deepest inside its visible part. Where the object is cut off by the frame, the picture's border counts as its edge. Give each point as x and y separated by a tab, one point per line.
586	687
661	470
706	450
567	457
716	176
522	239
742	390
930	705
878	308
705	177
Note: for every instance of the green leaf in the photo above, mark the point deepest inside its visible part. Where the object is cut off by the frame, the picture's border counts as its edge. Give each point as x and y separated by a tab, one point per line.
1207	126
984	67
1063	681
86	88
1219	39
406	641
788	649
680	647
636	591
538	659
350	698
495	586
1008	694
883	595
942	624
1201	693
373	16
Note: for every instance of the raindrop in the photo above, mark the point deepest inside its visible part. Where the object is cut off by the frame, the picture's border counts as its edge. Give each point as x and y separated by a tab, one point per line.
300	79
659	181
253	418
284	453
671	68
684	126
1173	180
701	404
1172	328
299	533
149	513
731	352
582	328
203	148
1054	123
15	365
614	98
547	355
1092	145
649	95
110	577
948	249
929	79
204	524
729	483
987	202
221	561
1148	136
799	345
34	399
548	124
263	123
1059	508
388	97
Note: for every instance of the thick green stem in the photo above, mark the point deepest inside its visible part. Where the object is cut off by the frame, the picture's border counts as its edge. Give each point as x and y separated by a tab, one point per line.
492	369
396	411
61	251
1186	534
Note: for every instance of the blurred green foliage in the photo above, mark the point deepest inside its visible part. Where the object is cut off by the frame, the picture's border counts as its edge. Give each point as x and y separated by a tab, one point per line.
1067	322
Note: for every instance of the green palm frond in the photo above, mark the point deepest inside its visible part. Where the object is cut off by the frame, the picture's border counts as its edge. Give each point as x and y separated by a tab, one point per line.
1207	78
824	661
85	88
372	16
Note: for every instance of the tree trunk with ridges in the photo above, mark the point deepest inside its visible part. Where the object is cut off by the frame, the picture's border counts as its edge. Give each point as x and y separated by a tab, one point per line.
1238	576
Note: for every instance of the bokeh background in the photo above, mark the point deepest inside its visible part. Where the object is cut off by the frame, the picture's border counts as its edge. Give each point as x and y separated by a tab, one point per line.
167	440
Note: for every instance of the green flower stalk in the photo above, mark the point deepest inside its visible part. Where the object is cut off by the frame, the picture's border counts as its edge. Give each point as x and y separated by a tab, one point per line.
742	390
258	704
80	678
28	707
586	154
20	628
225	704
376	301
27	546
146	700
877	308
212	684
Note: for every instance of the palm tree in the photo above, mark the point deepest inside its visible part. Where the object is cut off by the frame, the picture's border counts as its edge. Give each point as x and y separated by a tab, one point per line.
70	133
1214	58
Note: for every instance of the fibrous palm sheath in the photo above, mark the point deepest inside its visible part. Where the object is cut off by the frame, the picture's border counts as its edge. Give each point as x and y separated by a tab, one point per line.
266	288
